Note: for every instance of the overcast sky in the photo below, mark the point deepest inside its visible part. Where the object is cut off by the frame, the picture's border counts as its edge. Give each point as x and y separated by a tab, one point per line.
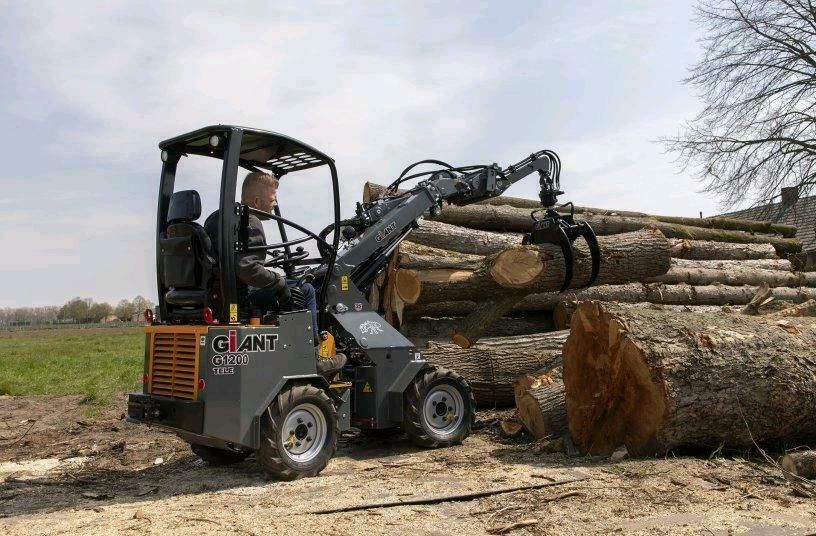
90	88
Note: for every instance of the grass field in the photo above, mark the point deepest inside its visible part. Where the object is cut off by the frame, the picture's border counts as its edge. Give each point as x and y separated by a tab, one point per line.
95	363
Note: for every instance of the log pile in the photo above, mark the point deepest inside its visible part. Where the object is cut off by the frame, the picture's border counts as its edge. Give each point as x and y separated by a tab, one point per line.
487	307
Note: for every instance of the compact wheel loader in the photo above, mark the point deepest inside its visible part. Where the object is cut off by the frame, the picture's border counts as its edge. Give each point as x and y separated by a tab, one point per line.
232	381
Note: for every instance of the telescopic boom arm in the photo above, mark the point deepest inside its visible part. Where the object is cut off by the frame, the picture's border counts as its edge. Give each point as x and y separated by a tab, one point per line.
378	227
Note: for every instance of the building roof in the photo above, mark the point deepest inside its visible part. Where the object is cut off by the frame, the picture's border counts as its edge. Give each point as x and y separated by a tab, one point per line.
801	213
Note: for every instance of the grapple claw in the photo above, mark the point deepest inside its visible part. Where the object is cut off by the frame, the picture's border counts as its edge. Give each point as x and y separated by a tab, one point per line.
594	250
549	227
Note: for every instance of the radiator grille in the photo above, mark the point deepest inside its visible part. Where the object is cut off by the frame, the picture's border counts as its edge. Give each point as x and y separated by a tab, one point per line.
174	365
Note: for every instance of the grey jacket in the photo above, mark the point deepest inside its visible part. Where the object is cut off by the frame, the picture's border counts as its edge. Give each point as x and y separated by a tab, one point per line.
249	266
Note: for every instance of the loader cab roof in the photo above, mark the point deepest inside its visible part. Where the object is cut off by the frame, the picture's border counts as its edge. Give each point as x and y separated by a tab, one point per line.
260	149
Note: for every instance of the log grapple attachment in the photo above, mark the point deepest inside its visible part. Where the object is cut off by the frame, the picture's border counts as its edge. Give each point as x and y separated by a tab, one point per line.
552	227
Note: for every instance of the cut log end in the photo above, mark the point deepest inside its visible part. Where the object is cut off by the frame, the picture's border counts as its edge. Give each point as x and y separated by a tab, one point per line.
597	350
517	267
407	286
461	340
802	463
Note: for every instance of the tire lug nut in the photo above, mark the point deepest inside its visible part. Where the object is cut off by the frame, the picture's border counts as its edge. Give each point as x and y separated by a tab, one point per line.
297	444
444	399
309	425
300	421
308	439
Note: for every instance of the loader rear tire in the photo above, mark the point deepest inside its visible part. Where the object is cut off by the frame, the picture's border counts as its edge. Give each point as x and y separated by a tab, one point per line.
439	408
298	433
215	456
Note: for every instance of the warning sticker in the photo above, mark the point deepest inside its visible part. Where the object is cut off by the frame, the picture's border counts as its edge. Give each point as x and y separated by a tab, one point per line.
367	388
344	282
233	312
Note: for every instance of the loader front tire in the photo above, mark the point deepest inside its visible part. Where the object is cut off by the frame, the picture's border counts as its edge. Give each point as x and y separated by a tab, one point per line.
439	408
298	433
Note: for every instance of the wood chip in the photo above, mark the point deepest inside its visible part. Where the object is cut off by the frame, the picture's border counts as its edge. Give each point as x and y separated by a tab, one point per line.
504	529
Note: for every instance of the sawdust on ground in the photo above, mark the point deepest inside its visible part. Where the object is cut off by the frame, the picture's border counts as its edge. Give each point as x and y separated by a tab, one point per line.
61	473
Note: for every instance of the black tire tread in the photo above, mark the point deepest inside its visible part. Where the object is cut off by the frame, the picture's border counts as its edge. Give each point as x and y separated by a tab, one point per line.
413	399
268	455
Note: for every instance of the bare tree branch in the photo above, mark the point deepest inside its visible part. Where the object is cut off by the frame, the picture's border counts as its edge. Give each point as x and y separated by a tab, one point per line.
757	80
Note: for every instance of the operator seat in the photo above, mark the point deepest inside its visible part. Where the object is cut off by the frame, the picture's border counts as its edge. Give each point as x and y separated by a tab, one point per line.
187	259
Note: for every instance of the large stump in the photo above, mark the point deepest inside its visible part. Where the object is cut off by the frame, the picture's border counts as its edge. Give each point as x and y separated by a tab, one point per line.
493	364
661	380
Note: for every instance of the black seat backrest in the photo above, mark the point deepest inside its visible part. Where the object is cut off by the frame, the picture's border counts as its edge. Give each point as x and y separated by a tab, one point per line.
187	254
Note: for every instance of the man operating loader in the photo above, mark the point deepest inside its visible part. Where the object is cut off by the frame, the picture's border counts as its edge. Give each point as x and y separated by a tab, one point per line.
267	289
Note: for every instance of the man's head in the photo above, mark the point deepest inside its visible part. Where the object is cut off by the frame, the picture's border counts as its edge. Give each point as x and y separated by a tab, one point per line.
260	191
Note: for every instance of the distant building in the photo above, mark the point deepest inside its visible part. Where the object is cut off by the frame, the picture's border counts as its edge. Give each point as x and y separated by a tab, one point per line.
138	317
790	210
108	319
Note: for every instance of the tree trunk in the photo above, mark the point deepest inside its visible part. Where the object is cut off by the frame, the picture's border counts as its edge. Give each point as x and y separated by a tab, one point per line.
492	365
475	242
418	257
629	293
479	321
541	405
734	276
564	311
655	381
461	239
801	463
372	192
782	265
421	330
707	250
505	218
626	257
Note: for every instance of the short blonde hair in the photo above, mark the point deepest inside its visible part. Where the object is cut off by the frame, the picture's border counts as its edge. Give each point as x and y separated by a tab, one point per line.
254	181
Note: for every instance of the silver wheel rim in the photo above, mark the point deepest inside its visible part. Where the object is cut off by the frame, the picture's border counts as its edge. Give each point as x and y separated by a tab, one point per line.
304	433
443	409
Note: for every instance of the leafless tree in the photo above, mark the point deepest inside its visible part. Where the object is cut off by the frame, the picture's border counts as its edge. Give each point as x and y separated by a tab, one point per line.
757	130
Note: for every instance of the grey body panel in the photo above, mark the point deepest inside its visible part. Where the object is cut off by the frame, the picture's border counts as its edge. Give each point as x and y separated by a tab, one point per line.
237	394
394	361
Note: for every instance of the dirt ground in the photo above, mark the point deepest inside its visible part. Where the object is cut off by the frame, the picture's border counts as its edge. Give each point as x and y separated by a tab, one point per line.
63	474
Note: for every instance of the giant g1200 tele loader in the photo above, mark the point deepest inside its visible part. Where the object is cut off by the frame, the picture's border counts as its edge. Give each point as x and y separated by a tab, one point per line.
231	382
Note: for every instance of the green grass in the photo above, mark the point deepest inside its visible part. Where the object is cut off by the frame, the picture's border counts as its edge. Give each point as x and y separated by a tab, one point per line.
90	363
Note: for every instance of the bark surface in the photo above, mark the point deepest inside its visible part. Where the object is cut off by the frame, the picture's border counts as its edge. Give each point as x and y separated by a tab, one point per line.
493	364
710	250
735	276
372	192
421	330
511	219
624	258
782	265
656	293
541	405
655	381
564	311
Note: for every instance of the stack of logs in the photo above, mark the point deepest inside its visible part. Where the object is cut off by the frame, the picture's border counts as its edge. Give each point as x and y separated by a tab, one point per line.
463	287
